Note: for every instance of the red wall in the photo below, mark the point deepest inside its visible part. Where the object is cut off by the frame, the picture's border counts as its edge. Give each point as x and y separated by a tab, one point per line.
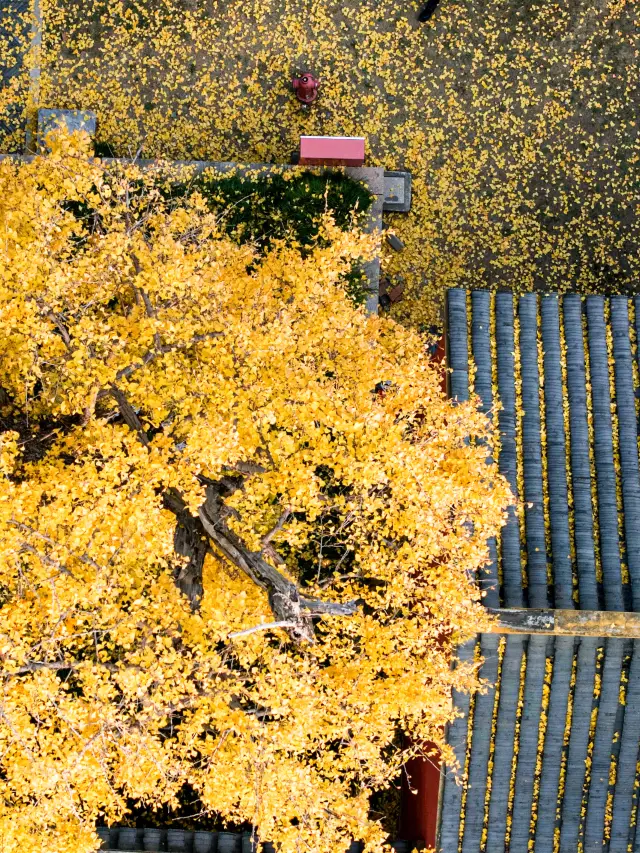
419	811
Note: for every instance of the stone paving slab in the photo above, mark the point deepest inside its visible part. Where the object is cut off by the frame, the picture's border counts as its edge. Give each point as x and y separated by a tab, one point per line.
12	43
72	120
397	191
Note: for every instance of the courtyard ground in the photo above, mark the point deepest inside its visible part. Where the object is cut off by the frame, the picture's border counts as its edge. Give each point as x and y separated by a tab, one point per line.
516	118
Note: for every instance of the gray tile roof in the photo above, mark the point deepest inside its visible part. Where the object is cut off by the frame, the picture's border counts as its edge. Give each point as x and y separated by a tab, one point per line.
549	754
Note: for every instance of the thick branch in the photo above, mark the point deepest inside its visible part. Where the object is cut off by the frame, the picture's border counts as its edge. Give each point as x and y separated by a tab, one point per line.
249	468
90	408
55	318
129	415
283	595
150	311
189	540
331	608
60	326
287	603
148	306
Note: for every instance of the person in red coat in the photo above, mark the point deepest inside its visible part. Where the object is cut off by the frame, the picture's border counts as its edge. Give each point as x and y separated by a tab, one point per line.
306	88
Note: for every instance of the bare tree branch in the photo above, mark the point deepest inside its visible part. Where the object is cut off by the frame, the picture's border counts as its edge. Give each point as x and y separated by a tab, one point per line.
38	666
267	626
152	355
24	528
249	468
46	559
280	524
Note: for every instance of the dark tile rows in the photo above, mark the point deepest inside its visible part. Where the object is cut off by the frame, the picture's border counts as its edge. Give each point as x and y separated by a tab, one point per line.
550	754
551	766
562	370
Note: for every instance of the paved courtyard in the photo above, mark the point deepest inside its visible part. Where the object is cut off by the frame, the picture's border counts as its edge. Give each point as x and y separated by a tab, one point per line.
517	118
14	38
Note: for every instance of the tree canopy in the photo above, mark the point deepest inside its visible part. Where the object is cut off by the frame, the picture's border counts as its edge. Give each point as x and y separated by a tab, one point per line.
240	522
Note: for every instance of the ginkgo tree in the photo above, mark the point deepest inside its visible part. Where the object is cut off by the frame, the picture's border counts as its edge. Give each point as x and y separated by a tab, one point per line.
240	522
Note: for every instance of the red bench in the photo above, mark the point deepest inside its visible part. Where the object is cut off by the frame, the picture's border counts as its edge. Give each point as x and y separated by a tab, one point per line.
331	151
